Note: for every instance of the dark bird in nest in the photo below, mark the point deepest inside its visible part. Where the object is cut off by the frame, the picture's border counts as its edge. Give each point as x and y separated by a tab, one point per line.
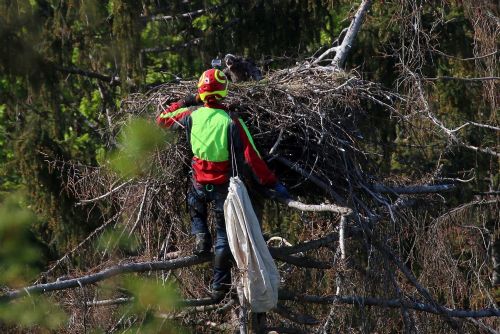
241	69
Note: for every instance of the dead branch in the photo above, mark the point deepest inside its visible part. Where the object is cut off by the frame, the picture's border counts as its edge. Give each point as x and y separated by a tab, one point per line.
109	302
423	189
466	59
389	303
105	274
318	207
189	15
302	261
85	201
448	78
291	315
344	48
440	124
77	247
112	80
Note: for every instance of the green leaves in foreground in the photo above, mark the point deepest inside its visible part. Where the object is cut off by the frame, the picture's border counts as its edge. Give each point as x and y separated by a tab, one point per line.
118	240
138	140
19	254
20	257
152	295
151	301
33	311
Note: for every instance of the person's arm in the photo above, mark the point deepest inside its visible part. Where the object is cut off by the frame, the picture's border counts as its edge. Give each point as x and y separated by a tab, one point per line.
251	155
176	113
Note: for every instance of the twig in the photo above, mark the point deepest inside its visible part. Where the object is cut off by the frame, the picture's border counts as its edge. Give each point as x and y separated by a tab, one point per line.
275	146
85	201
110	302
139	214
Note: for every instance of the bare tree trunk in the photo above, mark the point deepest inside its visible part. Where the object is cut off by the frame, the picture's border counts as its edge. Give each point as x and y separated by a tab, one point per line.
345	47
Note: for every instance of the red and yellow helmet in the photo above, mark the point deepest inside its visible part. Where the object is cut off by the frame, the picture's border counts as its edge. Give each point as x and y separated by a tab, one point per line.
213	83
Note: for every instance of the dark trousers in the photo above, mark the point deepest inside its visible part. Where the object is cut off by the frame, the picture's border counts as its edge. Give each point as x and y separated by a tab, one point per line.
199	197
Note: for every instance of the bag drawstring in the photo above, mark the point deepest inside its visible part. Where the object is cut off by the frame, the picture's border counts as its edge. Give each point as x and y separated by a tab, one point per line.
233	155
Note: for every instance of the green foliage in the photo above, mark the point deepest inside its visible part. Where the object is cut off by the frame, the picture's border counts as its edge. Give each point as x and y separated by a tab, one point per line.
19	254
138	140
151	294
150	297
149	300
33	312
117	240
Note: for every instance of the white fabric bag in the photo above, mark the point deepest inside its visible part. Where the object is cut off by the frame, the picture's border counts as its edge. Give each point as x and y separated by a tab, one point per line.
260	277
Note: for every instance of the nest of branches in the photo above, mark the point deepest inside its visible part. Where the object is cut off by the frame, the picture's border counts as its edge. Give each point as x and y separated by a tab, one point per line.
305	123
305	119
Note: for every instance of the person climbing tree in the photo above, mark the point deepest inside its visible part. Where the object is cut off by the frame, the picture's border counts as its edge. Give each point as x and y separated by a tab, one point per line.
221	145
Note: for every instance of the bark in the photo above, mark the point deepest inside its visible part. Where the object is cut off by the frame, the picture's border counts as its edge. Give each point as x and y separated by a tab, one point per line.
318	207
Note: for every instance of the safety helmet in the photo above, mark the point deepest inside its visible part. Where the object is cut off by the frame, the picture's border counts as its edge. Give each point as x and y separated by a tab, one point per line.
212	83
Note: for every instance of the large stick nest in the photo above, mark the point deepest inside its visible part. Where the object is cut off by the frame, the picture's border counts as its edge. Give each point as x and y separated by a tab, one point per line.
308	115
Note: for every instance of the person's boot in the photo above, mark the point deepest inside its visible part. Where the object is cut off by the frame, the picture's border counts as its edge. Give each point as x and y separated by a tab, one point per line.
202	244
218	295
257	323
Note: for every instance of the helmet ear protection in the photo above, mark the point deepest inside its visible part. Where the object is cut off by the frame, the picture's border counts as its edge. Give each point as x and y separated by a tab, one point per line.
212	83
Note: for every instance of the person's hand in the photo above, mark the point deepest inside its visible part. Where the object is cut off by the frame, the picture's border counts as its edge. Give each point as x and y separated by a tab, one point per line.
192	100
281	190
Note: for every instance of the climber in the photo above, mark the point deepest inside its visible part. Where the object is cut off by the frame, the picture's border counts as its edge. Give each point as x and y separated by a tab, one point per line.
221	146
